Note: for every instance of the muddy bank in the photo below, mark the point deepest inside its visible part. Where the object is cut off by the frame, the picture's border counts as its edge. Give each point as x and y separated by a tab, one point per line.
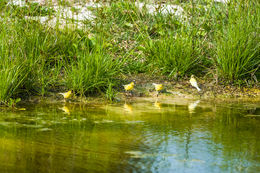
209	88
173	90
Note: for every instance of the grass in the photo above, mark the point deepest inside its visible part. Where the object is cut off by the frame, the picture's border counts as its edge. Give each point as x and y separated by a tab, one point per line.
92	72
36	59
12	77
31	9
13	68
237	43
168	56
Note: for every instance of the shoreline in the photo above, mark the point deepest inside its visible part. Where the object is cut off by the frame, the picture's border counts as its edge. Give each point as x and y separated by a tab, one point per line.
174	91
124	42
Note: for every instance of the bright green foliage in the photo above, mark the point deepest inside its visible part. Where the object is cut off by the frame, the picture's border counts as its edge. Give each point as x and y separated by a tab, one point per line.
111	92
13	68
36	58
31	9
173	55
92	71
12	76
238	43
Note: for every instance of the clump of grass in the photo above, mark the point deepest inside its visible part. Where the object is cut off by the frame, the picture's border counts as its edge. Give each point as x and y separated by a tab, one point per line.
111	92
12	76
92	72
237	43
31	43
13	68
118	24
173	55
31	9
3	4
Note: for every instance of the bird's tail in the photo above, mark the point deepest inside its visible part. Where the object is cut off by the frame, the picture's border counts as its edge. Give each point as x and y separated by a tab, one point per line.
62	94
198	89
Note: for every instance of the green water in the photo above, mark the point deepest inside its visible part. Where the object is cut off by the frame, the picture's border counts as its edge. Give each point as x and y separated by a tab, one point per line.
139	136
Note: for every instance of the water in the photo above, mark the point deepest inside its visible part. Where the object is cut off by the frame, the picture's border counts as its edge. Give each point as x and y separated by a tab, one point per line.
137	136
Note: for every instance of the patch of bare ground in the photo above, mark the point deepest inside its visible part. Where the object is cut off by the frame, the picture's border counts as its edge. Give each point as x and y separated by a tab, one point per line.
182	88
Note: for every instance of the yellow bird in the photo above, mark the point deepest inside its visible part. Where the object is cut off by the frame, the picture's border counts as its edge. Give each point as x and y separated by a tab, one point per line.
66	95
129	87
158	87
194	83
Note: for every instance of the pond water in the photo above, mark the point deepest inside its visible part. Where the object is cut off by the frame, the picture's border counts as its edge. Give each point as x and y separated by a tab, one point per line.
137	136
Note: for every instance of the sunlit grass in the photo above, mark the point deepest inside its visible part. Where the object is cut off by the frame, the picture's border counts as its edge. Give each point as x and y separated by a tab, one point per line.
13	68
173	55
237	43
12	76
123	39
92	71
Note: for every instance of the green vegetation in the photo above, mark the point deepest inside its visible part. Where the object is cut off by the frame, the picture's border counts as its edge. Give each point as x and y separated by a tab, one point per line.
32	9
213	39
93	71
170	58
237	43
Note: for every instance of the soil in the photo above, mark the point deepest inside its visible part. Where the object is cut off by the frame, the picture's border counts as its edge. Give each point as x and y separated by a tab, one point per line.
209	89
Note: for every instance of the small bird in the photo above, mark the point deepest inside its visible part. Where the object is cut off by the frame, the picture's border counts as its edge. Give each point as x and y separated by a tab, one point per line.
194	83
158	88
66	95
129	87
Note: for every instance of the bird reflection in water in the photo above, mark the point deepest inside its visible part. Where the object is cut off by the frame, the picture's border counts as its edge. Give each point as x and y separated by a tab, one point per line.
128	107
65	109
157	104
192	106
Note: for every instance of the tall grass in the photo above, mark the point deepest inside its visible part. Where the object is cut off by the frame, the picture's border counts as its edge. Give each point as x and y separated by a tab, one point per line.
36	59
26	43
13	70
173	55
153	42
238	42
12	77
92	72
